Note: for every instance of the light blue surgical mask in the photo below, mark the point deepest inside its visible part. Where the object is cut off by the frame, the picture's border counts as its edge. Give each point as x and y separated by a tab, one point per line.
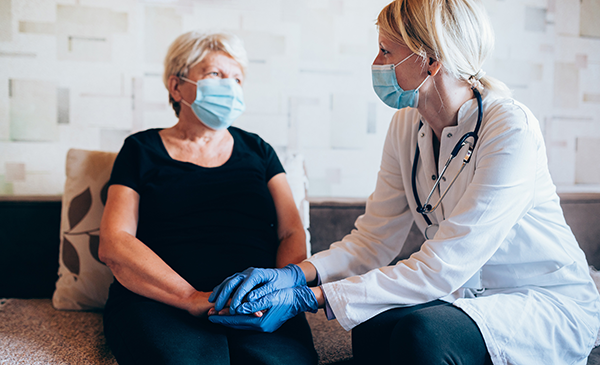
387	88
218	102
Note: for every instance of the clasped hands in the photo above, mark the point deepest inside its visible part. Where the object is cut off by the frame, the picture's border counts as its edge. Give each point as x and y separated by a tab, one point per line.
279	294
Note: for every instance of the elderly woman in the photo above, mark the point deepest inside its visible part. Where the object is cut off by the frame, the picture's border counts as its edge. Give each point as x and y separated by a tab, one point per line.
189	206
500	277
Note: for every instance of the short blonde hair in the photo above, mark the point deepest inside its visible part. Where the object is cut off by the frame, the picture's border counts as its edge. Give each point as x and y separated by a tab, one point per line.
457	33
191	48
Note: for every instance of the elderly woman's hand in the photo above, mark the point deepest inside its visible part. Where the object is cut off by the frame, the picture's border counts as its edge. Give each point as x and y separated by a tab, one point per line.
198	305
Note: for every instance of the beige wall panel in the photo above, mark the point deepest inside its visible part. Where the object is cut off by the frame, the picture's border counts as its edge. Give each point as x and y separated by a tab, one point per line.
590	18
587	163
5	21
33	111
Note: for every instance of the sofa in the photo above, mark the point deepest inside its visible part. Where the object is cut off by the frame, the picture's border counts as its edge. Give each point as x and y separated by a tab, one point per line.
32	331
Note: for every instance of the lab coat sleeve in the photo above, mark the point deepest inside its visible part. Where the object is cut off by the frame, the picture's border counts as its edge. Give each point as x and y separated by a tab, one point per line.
500	193
380	233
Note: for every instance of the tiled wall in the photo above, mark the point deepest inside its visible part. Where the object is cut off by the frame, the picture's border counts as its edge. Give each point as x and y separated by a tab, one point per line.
86	73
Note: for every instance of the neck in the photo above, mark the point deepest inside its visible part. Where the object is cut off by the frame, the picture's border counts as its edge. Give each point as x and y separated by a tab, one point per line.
190	129
440	101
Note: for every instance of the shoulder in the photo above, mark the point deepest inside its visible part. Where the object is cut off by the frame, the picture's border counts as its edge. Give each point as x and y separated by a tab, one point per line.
403	128
405	121
144	137
250	141
511	119
148	140
509	112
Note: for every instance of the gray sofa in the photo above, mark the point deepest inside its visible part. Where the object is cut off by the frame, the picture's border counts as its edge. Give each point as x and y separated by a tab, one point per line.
32	332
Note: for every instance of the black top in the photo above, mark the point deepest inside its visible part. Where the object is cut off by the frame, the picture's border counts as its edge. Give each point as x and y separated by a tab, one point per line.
206	223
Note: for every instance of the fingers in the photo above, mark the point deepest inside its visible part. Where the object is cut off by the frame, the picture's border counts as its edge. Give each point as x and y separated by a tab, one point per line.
225	290
215	293
225	312
262	304
256	278
217	290
260	292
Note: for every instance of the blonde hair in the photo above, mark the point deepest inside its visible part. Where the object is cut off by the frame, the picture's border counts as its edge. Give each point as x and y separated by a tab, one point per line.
191	48
457	33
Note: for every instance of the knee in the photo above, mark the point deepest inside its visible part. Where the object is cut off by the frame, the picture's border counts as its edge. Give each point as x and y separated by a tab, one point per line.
415	340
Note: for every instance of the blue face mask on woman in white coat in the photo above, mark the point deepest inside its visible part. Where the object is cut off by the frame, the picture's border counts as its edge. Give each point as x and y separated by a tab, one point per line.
387	88
219	102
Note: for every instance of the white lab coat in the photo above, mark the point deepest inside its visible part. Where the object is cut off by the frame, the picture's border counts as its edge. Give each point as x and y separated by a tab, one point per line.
503	253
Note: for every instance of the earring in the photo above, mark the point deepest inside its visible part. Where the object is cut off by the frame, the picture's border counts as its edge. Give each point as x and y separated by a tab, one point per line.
429	73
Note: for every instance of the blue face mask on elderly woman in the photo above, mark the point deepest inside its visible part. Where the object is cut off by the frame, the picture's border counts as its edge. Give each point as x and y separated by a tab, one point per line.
218	102
386	86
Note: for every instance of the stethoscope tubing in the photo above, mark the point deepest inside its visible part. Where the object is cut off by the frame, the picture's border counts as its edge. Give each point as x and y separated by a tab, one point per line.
426	209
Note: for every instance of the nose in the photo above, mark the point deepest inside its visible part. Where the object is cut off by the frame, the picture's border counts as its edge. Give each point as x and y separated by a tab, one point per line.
378	59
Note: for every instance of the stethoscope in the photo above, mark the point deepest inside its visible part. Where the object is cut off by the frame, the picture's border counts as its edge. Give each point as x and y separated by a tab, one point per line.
427	208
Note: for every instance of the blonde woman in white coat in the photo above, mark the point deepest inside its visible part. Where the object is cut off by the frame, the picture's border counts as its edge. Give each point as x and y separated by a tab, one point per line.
500	277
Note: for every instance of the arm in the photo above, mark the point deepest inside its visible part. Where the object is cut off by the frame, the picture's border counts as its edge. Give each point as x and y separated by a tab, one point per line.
292	239
497	194
135	265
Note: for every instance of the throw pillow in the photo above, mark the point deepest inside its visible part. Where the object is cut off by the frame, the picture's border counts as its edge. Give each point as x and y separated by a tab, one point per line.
83	280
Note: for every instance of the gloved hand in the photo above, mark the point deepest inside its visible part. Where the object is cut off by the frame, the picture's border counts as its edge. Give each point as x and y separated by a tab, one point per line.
273	279
281	305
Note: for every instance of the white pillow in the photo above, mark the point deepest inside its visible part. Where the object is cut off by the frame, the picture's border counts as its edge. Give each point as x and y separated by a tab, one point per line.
296	176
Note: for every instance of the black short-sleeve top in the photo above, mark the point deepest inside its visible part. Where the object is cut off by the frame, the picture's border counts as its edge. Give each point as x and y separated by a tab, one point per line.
206	223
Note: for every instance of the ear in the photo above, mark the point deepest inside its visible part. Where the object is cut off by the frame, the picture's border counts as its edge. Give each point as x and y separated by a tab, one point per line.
173	85
434	67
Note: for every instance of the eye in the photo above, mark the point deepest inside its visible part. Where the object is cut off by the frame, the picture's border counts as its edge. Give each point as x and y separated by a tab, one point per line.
213	73
383	50
238	81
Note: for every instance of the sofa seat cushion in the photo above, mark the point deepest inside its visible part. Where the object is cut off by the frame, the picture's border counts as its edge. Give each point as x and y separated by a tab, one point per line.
33	332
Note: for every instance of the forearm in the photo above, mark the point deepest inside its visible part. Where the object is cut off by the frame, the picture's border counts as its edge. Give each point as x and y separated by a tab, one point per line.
143	272
292	248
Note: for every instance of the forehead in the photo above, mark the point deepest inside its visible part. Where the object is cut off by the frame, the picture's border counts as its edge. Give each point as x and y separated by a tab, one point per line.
219	60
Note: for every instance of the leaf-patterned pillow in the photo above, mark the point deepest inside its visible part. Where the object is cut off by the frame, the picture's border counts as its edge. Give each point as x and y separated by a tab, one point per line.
83	280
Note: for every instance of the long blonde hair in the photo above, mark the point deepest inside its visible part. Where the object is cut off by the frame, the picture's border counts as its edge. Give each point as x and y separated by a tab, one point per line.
457	33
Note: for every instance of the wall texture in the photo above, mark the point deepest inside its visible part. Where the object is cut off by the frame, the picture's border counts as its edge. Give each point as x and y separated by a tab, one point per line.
87	73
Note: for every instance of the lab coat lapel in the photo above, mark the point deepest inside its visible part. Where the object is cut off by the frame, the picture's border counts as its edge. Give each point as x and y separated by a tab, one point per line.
467	119
427	172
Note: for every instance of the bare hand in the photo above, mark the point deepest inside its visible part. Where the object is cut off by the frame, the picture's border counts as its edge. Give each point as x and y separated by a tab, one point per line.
225	312
198	304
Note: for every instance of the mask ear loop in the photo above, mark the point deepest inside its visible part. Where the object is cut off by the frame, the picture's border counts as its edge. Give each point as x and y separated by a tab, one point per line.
182	99
398	64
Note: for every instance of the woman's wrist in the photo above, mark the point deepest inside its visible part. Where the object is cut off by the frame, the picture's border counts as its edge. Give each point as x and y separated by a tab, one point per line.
318	292
197	303
310	272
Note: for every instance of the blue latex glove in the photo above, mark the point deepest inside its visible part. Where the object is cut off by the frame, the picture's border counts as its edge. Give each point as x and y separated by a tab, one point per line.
273	279
281	305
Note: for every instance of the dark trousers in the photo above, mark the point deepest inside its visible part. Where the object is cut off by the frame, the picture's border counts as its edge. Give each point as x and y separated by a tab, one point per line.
429	334
143	331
